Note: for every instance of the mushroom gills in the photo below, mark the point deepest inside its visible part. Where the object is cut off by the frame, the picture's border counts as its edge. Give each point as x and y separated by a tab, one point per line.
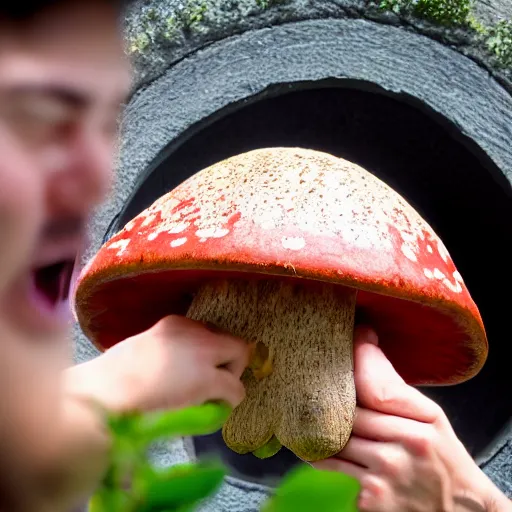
303	395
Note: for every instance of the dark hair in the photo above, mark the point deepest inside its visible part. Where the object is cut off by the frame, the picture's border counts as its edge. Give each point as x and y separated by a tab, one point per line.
22	10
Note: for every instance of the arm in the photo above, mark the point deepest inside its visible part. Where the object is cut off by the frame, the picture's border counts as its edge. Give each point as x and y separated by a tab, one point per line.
58	445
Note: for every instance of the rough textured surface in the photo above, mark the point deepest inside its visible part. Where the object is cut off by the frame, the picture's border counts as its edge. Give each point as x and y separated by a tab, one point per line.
497	463
218	19
295	213
244	66
308	400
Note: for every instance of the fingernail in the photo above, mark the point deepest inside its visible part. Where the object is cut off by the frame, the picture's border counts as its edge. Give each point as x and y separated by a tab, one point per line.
365	334
364	498
371	337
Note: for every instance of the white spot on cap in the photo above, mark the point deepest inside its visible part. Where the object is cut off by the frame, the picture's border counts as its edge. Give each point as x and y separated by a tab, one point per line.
409	253
458	277
121	244
429	249
293	243
152	236
408	236
456	288
130	225
270	218
179	228
148	220
178	242
438	274
214	232
443	251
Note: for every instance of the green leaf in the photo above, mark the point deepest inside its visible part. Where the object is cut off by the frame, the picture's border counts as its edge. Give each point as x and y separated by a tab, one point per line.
177	489
192	421
181	487
108	500
268	450
306	489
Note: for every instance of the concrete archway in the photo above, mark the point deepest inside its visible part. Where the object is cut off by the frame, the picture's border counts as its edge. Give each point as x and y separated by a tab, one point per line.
376	94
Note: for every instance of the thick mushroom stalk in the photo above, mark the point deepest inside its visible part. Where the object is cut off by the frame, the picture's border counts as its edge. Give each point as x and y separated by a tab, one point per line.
302	393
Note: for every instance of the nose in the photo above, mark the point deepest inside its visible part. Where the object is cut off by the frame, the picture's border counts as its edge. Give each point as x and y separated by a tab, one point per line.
80	173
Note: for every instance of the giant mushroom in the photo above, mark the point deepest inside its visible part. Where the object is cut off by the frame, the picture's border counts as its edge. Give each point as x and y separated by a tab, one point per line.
285	247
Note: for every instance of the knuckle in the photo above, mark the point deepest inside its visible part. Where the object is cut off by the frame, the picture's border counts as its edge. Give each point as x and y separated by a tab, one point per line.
384	398
422	442
169	323
437	413
373	490
392	462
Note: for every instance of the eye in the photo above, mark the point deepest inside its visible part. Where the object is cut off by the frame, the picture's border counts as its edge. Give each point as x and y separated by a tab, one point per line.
41	108
37	118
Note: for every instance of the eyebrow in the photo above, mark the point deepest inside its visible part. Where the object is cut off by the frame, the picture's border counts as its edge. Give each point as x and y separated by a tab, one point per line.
72	97
66	95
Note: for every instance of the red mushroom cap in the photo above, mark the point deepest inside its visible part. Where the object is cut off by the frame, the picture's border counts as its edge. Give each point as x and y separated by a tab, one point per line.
291	213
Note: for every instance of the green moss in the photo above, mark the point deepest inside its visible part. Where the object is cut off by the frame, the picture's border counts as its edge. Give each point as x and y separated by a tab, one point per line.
442	12
476	24
266	4
497	38
140	43
499	42
155	28
193	13
188	18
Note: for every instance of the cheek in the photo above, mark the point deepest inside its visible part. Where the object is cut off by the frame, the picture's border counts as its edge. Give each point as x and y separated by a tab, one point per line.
109	157
21	200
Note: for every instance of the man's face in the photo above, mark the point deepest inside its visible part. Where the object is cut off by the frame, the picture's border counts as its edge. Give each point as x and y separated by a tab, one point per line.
62	80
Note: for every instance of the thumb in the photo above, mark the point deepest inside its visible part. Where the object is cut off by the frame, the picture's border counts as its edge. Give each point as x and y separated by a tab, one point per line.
380	388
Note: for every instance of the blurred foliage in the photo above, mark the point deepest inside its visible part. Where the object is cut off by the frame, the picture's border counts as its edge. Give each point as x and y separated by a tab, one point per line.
132	484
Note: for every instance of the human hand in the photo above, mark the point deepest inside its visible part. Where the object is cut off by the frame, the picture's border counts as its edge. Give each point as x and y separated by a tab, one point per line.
177	362
403	449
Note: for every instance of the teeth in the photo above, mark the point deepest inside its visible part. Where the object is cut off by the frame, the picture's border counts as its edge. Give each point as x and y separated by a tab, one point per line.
65	281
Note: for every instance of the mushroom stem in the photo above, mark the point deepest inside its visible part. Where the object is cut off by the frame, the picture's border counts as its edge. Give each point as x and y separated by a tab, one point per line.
304	392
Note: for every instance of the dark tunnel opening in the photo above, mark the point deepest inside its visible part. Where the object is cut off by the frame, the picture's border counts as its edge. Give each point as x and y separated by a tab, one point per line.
447	181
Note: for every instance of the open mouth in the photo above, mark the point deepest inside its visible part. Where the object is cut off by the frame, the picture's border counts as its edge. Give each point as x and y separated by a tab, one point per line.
52	283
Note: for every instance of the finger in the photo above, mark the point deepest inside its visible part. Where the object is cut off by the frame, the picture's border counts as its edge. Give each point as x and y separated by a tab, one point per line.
365	334
224	349
417	437
389	460
230	353
223	386
341	466
379	387
376	496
